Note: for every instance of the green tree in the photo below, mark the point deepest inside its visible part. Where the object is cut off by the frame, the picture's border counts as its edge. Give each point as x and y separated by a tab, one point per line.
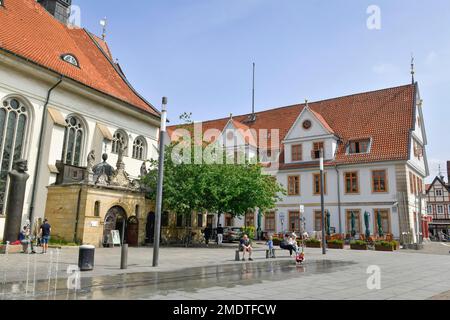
217	188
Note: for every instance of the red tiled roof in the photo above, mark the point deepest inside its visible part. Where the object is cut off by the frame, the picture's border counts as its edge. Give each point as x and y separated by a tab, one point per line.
385	115
323	122
29	31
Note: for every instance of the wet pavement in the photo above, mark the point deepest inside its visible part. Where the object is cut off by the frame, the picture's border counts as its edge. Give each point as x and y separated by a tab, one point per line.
213	274
192	280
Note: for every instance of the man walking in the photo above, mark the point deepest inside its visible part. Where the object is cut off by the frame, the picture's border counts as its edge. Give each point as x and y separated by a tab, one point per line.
219	235
45	231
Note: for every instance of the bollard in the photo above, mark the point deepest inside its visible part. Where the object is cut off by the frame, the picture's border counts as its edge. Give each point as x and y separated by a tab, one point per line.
124	257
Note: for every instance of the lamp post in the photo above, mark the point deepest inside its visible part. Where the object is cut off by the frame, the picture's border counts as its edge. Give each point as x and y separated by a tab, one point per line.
419	220
159	191
322	203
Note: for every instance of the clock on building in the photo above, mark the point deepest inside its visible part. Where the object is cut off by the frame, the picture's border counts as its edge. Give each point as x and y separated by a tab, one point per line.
307	124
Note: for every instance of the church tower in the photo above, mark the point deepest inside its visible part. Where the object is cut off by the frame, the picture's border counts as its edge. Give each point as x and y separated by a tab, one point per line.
60	9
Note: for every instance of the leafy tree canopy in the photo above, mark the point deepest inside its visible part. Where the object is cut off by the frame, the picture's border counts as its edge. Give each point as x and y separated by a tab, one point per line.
223	187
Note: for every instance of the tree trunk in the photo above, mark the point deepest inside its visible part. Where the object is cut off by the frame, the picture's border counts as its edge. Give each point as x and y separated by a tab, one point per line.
218	219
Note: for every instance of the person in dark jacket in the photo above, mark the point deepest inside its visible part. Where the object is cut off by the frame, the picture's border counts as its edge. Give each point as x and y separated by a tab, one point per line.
207	234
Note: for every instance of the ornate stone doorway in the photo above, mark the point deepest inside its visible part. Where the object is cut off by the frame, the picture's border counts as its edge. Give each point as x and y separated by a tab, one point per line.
114	220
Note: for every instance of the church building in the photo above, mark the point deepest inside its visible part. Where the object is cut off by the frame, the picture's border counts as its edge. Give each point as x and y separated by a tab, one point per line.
64	102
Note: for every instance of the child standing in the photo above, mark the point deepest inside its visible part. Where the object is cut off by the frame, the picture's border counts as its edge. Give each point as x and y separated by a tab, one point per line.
269	243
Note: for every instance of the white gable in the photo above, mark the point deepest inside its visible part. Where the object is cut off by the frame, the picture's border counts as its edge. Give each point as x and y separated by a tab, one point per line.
298	131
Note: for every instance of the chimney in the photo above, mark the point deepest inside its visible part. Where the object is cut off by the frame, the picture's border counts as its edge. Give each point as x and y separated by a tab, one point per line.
448	172
60	9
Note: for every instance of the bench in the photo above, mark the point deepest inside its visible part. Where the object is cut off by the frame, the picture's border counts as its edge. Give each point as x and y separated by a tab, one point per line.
267	251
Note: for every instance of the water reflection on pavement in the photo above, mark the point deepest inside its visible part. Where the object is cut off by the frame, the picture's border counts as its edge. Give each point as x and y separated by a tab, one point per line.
147	285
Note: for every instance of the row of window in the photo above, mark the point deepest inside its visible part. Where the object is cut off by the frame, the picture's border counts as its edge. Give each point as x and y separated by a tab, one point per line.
351	183
415	184
297	151
73	142
14	125
439	192
440	209
270	221
353	147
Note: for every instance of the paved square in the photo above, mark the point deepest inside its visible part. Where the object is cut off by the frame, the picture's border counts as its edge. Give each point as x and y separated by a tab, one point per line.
212	273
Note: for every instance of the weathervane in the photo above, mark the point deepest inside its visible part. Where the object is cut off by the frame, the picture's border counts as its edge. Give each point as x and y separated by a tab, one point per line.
412	68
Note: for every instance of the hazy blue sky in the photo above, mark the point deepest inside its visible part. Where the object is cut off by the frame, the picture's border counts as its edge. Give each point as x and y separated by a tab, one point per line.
199	53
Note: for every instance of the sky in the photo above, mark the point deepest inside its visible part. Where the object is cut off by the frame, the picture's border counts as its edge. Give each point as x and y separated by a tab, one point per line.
199	53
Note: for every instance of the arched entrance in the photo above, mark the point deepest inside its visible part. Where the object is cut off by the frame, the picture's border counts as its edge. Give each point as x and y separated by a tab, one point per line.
150	228
114	220
132	233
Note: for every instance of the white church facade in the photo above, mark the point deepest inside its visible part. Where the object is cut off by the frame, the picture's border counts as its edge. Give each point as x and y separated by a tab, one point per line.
61	97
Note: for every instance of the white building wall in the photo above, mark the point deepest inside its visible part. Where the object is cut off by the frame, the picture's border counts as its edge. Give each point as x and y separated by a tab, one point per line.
364	201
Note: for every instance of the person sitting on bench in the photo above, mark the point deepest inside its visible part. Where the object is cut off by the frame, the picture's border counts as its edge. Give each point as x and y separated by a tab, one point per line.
287	244
246	246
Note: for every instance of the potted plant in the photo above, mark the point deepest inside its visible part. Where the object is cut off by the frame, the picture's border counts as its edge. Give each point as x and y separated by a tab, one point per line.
358	245
385	246
313	243
336	244
397	245
276	241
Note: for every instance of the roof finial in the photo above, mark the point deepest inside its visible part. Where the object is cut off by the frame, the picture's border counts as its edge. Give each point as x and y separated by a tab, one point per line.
306	103
412	68
231	116
104	23
253	92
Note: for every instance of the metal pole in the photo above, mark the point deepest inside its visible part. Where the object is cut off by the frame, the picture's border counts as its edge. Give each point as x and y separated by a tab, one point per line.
419	220
322	203
253	92
124	248
159	191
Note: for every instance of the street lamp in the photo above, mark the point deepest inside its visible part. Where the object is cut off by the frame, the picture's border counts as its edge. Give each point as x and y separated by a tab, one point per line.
322	202
159	187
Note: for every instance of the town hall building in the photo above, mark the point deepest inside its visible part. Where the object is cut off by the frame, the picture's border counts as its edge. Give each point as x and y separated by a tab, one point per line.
375	162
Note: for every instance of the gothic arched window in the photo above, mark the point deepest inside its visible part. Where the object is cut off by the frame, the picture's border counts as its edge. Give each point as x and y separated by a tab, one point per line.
13	125
139	148
73	141
120	140
97	209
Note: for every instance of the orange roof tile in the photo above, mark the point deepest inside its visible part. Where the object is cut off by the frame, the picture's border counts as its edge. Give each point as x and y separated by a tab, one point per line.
385	115
27	30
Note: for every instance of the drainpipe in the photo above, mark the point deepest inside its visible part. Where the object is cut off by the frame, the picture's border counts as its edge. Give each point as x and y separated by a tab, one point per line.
78	215
39	155
339	198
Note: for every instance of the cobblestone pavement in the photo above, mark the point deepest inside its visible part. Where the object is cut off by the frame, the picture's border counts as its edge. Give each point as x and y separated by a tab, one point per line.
213	274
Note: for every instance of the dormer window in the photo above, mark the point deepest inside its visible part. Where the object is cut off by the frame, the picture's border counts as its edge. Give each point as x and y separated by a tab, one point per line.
359	146
70	59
